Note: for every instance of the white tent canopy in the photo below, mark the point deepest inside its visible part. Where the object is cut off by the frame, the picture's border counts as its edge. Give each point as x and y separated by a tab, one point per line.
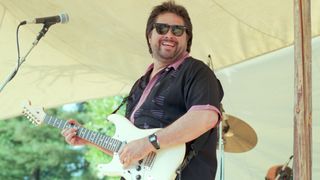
102	50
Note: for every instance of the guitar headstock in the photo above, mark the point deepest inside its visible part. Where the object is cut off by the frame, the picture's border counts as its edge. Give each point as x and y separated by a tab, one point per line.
35	114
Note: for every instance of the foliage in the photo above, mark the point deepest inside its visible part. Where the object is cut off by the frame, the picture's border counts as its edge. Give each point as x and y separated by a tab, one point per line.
29	152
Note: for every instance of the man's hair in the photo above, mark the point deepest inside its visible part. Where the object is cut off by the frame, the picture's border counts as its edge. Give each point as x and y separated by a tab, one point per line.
170	7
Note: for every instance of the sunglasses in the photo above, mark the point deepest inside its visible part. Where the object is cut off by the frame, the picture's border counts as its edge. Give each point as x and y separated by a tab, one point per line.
163	29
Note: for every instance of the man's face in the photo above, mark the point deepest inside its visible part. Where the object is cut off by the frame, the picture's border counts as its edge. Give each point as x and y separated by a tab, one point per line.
168	47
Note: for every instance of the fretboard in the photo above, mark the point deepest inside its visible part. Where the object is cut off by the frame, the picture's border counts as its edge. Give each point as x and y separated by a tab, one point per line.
99	139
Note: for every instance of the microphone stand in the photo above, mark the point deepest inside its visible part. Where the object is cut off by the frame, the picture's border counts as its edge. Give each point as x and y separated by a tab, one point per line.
43	31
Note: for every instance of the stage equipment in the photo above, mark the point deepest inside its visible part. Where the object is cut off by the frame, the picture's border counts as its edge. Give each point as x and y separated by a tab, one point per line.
235	136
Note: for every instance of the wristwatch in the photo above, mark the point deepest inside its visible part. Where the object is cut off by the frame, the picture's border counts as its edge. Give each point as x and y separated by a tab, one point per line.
153	139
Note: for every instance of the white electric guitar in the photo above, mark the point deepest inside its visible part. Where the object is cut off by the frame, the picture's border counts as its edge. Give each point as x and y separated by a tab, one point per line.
159	165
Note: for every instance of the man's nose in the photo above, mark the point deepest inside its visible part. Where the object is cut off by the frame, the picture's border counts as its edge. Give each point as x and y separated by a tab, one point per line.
169	33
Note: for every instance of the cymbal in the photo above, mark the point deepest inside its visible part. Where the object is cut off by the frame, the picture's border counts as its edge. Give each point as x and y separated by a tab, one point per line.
238	136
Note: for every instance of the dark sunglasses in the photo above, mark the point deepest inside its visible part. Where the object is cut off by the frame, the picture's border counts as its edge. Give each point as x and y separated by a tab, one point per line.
163	29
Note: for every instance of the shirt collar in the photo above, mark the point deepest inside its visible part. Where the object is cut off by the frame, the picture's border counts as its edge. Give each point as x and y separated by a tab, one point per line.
175	64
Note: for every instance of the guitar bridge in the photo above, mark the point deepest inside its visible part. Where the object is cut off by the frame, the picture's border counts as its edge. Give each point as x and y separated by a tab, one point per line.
149	160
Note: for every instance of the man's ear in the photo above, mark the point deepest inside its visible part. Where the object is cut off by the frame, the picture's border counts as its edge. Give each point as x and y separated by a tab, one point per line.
149	37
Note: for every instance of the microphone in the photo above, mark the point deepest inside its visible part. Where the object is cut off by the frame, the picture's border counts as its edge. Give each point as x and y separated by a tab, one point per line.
61	18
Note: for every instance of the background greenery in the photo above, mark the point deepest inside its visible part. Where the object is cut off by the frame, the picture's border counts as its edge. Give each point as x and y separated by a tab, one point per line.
31	152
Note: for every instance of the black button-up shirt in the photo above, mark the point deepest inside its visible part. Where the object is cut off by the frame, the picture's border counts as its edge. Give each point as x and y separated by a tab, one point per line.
158	102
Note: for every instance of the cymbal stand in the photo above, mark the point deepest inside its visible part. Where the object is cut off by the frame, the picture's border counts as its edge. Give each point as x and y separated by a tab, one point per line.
221	153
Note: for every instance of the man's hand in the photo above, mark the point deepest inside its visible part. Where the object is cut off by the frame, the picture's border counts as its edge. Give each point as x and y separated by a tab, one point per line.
134	151
70	135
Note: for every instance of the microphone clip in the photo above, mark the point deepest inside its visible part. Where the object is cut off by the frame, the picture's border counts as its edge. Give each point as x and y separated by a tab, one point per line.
44	30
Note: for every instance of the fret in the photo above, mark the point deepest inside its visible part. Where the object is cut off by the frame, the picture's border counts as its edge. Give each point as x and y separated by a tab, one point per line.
85	133
92	136
57	122
97	138
114	145
80	132
101	139
65	124
111	144
118	146
49	122
106	139
106	143
54	122
60	124
77	127
88	135
100	136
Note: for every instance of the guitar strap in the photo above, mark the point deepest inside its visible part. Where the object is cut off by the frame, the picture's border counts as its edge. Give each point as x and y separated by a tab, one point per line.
124	100
196	146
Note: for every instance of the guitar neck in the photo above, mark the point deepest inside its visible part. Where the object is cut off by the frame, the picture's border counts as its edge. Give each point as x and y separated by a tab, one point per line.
96	138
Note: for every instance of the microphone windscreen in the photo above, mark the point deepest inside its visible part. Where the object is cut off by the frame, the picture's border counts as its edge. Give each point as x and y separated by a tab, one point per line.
64	18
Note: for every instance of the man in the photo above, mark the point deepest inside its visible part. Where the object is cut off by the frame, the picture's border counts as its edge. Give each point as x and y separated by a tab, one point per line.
178	93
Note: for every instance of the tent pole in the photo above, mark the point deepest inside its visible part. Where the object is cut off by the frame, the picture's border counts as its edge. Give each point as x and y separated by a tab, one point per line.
302	165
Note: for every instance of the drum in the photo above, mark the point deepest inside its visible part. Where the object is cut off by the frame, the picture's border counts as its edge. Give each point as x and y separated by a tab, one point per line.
276	173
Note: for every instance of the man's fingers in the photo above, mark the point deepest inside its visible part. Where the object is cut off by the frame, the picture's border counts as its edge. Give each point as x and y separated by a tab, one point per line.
72	121
70	136
63	132
126	164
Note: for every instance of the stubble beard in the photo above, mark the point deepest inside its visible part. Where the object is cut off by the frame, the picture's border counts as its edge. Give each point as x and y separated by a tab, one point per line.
167	57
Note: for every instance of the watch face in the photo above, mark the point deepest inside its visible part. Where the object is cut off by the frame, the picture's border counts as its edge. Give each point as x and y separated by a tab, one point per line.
152	138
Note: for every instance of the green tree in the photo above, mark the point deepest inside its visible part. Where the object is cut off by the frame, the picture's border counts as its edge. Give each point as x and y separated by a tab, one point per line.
29	152
35	153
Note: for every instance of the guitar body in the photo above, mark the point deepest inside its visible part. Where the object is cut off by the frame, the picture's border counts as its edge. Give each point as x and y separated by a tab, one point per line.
160	166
